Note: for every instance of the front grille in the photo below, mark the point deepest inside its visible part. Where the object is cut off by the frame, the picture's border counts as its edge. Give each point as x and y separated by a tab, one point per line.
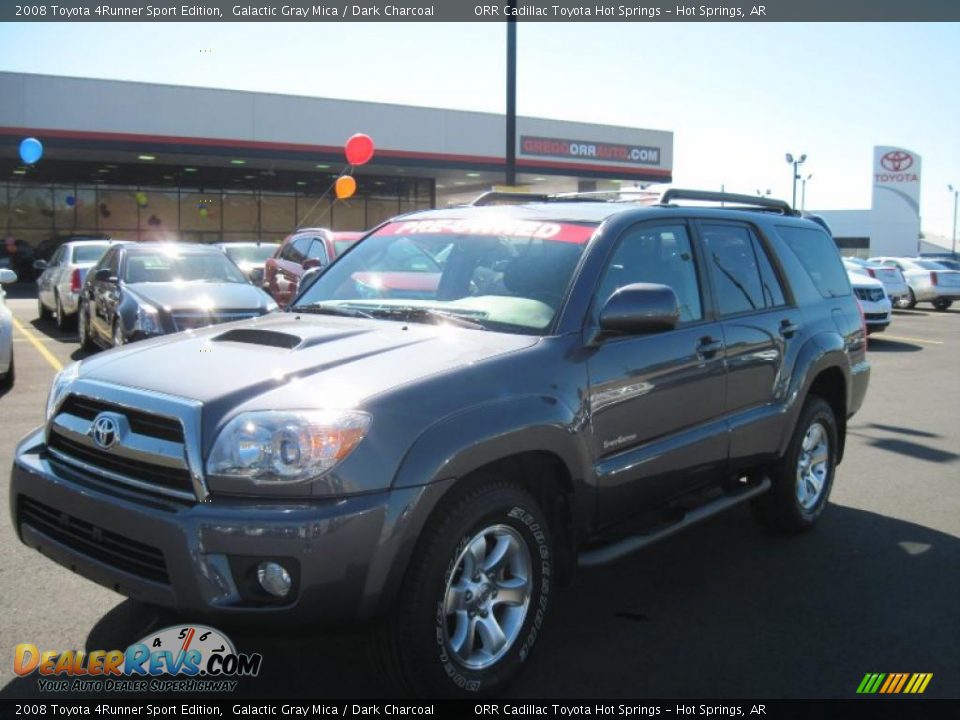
145	472
875	316
140	422
193	320
87	539
869	294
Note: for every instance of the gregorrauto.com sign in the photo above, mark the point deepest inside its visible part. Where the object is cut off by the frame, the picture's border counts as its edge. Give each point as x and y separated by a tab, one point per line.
589	150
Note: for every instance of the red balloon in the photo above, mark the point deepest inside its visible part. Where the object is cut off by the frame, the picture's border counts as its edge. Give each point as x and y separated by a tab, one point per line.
359	149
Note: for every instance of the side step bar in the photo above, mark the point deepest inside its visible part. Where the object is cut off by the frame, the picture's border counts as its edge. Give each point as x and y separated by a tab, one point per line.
615	551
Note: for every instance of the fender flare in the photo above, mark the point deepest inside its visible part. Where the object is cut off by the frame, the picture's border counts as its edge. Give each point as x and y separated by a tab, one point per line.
823	351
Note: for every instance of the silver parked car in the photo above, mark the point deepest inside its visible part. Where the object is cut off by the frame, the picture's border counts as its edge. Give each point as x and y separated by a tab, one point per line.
893	281
58	287
6	331
929	281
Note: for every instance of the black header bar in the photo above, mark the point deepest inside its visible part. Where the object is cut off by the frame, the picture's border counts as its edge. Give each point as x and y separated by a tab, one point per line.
483	11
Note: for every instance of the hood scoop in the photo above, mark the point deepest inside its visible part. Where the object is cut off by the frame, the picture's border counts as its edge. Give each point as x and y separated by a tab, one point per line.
270	338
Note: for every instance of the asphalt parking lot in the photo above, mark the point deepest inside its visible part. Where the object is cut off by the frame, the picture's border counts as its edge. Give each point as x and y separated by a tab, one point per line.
722	611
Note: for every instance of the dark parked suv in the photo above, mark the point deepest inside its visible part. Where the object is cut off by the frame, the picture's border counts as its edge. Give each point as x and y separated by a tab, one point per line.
564	383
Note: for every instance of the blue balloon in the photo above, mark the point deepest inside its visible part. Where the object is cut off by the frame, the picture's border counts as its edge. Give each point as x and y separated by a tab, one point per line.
31	150
71	200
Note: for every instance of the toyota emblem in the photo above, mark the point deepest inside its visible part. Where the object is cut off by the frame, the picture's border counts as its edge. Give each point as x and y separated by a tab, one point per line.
105	430
897	161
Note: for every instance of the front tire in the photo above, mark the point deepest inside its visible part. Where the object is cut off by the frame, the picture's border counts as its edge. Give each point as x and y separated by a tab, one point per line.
6	380
475	596
83	330
803	478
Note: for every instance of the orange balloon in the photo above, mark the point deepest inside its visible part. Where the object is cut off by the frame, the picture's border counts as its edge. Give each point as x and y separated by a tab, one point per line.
346	186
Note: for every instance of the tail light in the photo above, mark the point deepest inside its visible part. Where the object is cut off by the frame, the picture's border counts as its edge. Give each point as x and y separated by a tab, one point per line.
933	278
871	272
75	281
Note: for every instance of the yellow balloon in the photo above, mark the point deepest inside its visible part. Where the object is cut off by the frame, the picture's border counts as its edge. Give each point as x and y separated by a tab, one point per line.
346	186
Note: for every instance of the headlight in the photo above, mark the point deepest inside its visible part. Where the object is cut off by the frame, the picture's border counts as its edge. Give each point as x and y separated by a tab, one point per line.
286	446
148	322
60	385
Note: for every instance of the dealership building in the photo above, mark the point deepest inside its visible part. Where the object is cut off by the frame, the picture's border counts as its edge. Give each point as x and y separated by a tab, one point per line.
146	161
891	225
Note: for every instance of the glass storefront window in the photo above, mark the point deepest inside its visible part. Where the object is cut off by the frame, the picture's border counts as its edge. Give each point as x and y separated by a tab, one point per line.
86	207
200	212
117	209
379	210
240	212
277	212
313	211
64	207
31	206
349	215
158	214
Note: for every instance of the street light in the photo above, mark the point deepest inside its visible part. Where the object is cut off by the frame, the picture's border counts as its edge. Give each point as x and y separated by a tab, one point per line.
796	176
955	191
803	192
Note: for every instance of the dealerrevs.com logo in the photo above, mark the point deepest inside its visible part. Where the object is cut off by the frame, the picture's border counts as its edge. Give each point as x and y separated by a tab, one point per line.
180	658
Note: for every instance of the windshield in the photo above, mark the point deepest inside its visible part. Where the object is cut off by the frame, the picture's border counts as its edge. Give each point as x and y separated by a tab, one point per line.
253	254
89	253
160	266
500	274
341	246
929	265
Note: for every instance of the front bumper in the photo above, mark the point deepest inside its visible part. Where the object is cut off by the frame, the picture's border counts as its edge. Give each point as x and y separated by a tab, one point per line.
347	555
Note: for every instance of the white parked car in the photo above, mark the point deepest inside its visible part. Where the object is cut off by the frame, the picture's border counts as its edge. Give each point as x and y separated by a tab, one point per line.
873	301
929	281
58	287
6	331
893	281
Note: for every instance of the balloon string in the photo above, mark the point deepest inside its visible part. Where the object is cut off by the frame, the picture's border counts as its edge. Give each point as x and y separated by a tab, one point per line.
303	221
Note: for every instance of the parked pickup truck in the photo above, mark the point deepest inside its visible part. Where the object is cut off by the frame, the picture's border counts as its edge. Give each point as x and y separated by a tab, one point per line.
435	459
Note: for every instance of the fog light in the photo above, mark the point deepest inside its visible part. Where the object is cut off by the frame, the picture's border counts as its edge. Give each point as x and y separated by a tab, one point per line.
274	578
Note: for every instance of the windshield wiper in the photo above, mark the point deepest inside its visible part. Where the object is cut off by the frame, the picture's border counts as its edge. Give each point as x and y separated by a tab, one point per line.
421	314
329	310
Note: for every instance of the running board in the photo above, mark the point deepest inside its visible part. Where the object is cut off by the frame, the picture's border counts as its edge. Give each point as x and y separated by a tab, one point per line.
615	551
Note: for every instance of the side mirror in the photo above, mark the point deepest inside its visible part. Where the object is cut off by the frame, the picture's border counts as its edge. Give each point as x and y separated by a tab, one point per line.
104	275
7	276
311	263
39	264
308	277
639	309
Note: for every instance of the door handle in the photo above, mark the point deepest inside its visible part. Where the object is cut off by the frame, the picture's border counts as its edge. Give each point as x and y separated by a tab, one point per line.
788	328
708	346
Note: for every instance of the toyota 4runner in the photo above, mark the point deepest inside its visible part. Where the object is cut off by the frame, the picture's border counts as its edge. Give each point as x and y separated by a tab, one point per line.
453	416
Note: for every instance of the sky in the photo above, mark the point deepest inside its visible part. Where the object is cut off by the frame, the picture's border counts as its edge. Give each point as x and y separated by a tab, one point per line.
737	96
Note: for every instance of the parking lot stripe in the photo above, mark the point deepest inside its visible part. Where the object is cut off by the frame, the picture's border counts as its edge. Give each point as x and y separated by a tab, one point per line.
47	355
911	339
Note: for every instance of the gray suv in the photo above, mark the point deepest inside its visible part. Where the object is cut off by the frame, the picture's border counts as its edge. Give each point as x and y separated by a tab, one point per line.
452	417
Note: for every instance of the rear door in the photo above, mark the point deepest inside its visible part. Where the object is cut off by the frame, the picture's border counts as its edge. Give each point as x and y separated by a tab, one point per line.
104	295
290	267
762	331
656	400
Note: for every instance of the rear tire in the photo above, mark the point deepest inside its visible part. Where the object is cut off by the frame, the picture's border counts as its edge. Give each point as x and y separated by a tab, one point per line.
942	304
63	322
6	380
802	480
465	622
42	312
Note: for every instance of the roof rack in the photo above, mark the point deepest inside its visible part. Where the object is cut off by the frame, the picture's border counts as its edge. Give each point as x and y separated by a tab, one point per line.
781	206
499	197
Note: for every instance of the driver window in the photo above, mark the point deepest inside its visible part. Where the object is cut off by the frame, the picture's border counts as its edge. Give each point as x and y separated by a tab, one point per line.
655	254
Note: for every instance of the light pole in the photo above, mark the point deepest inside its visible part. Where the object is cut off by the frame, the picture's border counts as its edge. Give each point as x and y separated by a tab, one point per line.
511	164
763	194
796	176
803	192
955	191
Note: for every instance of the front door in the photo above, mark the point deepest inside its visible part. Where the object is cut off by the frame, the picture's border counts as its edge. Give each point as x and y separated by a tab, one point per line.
656	400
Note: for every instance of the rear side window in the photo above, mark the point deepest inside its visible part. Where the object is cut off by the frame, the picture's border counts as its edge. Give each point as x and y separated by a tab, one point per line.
819	256
742	275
